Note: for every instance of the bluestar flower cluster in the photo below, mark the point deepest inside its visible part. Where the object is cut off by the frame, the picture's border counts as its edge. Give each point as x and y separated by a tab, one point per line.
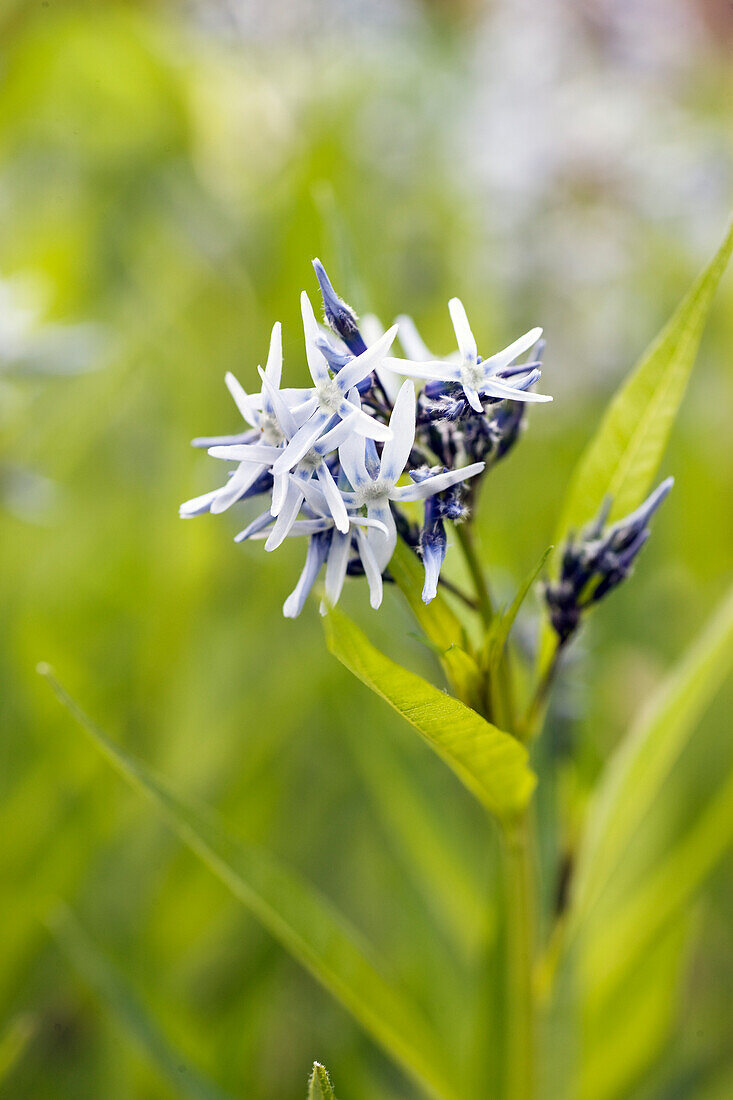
596	563
339	459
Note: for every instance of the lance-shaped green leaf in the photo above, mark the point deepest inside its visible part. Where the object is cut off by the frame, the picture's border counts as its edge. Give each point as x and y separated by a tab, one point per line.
114	991
298	916
490	763
634	776
623	457
319	1084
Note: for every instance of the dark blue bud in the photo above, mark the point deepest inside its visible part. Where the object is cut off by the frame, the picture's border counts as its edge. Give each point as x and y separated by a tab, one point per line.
339	315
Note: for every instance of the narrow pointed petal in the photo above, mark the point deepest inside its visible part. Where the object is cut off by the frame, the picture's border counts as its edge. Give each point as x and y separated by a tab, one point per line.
364	364
335	501
396	450
411	340
241	480
247	452
440	370
351	457
253	529
316	555
284	415
274	367
382	544
198	506
473	399
494	388
436	484
334	437
206	441
287	517
363	424
338	560
464	336
317	364
301	528
371	569
280	485
245	402
510	353
301	442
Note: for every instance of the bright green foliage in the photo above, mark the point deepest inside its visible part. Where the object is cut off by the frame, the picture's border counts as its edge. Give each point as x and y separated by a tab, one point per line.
319	1085
305	923
115	994
622	459
633	779
490	763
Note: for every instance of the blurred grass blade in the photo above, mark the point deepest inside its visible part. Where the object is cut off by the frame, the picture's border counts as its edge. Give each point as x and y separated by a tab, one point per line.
431	853
615	946
113	990
14	1043
622	458
296	915
622	1039
490	763
634	776
319	1085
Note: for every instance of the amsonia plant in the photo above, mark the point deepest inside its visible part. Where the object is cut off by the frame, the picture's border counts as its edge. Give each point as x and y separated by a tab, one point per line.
339	464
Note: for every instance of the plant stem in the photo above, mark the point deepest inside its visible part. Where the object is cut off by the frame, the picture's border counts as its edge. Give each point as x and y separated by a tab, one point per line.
532	722
449	586
465	536
520	1052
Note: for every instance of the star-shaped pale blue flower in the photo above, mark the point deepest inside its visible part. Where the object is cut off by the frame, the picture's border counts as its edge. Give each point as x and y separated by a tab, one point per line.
330	403
374	480
476	375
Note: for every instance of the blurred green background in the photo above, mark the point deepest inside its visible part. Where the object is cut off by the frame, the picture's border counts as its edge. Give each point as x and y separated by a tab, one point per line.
166	174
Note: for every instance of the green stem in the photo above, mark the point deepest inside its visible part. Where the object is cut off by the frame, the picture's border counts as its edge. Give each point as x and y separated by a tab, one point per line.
465	536
532	722
520	1048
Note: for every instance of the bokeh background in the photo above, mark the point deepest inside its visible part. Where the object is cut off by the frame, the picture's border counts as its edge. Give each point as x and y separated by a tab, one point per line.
166	174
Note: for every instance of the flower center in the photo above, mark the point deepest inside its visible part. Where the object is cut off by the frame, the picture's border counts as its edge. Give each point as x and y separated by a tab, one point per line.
473	375
374	490
330	395
270	428
311	460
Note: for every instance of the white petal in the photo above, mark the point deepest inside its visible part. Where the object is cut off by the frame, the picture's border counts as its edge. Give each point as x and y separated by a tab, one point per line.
494	388
366	425
336	504
313	561
473	398
441	370
247	452
280	485
338	560
396	450
317	364
411	340
436	484
363	364
510	353
351	457
241	480
284	414
198	505
287	517
301	442
274	367
245	402
382	544
371	569
464	336
253	529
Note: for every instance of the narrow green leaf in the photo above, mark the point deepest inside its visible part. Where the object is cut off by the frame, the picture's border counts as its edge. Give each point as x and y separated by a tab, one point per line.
490	763
296	915
502	624
319	1084
622	458
634	776
114	992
